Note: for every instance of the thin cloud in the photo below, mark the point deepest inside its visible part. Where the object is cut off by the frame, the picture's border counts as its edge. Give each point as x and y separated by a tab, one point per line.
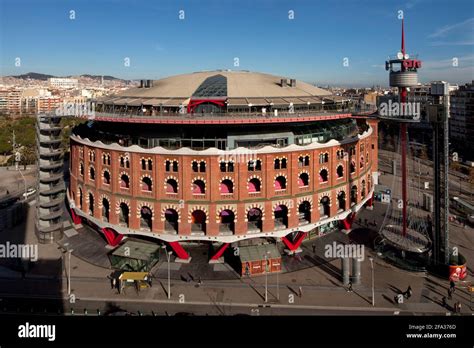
463	62
467	25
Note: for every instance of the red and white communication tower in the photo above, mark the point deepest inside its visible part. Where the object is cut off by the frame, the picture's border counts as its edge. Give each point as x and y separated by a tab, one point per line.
403	75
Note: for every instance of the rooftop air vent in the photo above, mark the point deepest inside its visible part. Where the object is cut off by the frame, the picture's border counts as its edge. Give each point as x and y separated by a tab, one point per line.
283	82
292	83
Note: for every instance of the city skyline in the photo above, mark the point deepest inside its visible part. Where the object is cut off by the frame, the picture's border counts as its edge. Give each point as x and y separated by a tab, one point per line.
262	36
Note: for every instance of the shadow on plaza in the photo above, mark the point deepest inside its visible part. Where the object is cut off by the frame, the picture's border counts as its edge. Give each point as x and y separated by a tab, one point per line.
26	273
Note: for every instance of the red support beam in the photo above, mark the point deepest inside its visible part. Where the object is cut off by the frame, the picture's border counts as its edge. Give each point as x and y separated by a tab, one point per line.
179	251
370	201
347	222
220	251
113	237
296	242
76	219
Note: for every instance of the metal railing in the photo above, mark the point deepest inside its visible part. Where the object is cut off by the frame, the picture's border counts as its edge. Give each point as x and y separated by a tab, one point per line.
244	115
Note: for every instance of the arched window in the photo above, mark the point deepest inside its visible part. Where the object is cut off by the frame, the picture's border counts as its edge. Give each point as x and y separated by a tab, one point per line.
199	187
146	184
227	186
226	167
323	175
325	208
198	166
171	221
303	180
254	185
341	200
276	163
227	223
363	189
150	164
300	161
354	195
91	204
92	173
280	183
283	163
281	217
254	165
171	186
223	167
146	219
361	165
143	164
304	213
124	181
106	177
81	169
254	218
306	161
340	171
352	167
175	166
105	210
80	198
198	221
123	214
202	167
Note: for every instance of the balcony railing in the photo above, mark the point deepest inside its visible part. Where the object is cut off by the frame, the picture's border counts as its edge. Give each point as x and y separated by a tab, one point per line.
331	109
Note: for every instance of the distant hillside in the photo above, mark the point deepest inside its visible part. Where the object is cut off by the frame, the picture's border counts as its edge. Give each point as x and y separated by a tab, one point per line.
33	76
106	77
44	77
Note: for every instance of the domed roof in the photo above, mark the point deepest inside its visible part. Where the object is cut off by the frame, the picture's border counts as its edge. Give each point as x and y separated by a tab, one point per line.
225	84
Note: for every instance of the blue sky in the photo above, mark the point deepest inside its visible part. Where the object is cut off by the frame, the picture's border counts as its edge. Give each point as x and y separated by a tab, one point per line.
310	47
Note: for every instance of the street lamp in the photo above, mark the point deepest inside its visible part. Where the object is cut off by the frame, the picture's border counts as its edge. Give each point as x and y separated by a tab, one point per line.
371	259
168	256
69	252
266	276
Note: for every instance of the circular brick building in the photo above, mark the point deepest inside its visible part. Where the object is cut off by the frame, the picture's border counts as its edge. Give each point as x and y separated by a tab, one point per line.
222	156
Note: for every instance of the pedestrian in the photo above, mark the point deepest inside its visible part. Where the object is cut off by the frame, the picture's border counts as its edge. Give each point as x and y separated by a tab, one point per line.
300	289
114	283
314	248
375	223
459	307
349	289
408	292
443	300
199	281
450	294
452	286
366	222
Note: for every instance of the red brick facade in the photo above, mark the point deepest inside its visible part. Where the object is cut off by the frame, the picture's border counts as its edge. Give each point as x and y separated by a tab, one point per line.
213	201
